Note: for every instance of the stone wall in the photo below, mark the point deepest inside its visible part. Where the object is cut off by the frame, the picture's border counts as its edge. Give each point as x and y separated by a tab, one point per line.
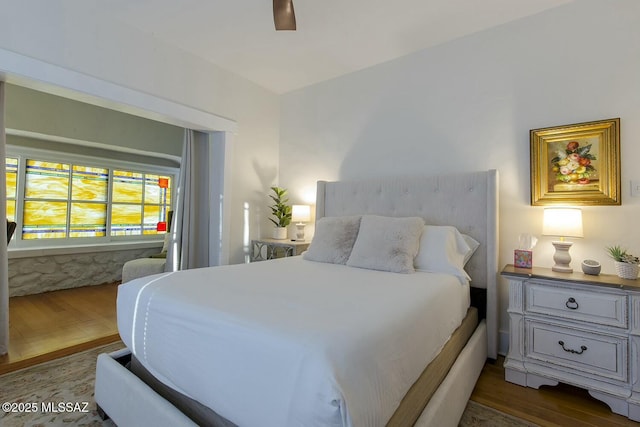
39	274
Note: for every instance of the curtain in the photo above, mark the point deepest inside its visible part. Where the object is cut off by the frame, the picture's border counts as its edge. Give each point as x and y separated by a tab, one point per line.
189	240
4	269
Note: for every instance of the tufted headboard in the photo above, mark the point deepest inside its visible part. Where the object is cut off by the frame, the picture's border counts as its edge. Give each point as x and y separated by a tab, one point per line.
468	201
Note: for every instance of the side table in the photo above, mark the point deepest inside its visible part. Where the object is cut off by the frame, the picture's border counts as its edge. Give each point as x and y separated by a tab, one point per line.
264	249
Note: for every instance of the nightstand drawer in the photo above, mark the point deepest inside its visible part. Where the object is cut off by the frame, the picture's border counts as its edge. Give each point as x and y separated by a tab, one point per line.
602	307
583	351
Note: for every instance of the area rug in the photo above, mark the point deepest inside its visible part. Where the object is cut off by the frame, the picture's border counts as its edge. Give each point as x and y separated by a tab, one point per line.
60	393
68	380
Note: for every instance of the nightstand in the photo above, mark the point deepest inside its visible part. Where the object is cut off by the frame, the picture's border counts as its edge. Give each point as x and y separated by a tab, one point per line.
265	249
576	329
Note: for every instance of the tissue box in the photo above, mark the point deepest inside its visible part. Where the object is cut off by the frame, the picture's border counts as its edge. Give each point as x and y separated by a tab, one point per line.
523	259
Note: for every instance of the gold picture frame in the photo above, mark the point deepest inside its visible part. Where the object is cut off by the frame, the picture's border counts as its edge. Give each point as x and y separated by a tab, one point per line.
576	164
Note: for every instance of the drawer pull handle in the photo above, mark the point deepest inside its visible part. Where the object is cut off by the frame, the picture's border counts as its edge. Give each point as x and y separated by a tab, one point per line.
583	348
572	304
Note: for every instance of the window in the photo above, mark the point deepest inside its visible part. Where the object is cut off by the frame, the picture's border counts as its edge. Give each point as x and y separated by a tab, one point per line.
66	201
138	203
12	179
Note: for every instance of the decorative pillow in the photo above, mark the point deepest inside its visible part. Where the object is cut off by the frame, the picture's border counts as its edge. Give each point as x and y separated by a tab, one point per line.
443	250
333	239
387	244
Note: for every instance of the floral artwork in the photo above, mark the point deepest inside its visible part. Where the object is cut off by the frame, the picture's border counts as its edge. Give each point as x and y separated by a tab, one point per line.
574	164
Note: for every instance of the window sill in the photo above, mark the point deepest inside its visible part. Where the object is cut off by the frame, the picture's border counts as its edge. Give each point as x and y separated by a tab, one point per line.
78	249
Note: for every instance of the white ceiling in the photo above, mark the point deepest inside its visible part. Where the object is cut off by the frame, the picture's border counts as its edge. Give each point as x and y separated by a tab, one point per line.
334	37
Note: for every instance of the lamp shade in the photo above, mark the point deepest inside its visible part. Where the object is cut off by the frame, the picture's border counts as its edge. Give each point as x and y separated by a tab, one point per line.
563	222
301	213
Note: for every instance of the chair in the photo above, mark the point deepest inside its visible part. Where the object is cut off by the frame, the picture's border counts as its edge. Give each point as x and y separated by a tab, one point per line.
154	264
142	267
11	227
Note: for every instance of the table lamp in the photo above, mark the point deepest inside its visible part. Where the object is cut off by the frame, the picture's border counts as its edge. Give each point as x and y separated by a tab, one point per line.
300	214
562	222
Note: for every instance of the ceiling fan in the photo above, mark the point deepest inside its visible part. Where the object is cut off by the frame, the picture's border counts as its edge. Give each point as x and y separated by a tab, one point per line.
283	15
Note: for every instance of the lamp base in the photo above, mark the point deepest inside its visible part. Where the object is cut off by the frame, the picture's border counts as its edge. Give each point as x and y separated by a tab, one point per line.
562	257
300	232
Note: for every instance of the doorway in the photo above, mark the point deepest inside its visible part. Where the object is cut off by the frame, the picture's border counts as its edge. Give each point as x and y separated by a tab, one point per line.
38	75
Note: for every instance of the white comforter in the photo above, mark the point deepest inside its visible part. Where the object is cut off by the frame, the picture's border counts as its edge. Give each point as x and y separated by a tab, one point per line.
291	342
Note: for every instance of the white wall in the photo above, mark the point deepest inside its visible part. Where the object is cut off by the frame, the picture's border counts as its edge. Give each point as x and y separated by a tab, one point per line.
63	35
469	105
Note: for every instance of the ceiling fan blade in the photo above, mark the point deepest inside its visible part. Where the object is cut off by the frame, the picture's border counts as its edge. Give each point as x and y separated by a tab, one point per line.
283	15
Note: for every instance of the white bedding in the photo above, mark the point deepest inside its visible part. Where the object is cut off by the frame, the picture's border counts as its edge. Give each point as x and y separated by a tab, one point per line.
291	342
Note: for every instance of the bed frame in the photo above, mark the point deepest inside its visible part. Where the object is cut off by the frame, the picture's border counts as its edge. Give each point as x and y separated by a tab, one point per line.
468	201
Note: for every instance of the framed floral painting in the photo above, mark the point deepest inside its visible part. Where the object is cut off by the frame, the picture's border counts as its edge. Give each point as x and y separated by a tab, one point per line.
576	164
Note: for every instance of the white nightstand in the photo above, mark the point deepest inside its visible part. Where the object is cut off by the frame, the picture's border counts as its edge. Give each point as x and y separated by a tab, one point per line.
577	329
264	249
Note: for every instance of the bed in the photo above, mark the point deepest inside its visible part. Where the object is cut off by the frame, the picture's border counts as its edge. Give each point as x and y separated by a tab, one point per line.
343	345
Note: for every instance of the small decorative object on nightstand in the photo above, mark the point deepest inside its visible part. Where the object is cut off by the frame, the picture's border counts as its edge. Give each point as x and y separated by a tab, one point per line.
591	267
523	259
562	222
281	212
523	256
625	263
576	329
264	249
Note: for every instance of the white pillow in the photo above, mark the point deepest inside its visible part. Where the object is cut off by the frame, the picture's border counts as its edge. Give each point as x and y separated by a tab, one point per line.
443	250
333	239
387	244
473	245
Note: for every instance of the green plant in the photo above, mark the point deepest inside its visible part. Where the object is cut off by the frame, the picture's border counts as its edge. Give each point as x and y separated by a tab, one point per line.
280	210
621	255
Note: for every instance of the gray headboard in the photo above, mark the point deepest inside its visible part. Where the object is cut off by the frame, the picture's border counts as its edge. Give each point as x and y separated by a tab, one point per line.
468	201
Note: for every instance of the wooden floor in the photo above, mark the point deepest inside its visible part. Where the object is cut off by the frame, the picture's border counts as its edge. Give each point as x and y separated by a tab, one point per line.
54	324
562	405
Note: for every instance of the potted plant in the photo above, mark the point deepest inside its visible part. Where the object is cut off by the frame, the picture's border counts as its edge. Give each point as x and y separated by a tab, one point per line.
281	212
626	264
